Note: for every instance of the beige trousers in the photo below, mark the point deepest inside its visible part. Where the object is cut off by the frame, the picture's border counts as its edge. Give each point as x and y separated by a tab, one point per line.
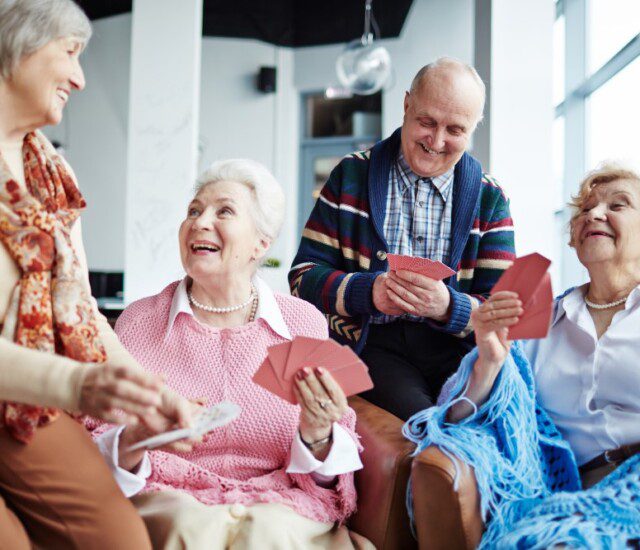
178	521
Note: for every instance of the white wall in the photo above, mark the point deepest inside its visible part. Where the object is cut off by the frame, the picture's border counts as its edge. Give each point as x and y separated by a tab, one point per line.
94	133
521	120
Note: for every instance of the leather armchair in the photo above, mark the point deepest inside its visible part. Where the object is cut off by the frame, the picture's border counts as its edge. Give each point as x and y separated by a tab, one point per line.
382	483
445	518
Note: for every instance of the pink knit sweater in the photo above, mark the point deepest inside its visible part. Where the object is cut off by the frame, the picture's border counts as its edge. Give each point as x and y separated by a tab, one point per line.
245	461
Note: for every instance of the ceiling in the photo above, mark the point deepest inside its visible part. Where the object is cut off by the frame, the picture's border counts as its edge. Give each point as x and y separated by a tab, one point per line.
282	22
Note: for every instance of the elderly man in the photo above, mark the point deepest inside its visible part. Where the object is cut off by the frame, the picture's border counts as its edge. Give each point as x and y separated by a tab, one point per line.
418	193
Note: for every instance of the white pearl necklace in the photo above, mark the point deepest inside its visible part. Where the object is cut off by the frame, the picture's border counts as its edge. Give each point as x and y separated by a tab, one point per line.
604	306
228	309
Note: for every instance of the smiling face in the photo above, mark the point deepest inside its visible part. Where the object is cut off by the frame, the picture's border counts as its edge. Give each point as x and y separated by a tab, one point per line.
219	235
42	81
439	117
607	227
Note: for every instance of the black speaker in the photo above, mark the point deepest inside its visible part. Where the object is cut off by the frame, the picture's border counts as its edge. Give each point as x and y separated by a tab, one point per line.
267	79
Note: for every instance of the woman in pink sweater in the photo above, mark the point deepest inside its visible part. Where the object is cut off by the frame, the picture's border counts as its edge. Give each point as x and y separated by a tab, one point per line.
279	476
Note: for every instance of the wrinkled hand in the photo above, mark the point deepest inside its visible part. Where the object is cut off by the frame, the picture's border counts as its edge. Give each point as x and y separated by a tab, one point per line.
108	389
174	412
322	402
380	295
491	322
419	295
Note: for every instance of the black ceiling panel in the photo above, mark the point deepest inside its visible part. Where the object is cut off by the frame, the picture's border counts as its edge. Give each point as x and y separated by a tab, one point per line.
282	22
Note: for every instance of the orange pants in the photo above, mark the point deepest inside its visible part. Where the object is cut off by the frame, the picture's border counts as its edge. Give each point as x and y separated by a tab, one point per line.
58	492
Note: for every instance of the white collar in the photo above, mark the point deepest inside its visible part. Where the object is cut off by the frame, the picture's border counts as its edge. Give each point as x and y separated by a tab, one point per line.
574	300
268	309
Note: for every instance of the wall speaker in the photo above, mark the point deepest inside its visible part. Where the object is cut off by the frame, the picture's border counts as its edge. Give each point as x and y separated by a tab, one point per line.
267	79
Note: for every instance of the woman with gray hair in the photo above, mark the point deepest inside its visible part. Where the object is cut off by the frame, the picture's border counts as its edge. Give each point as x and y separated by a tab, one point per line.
281	475
57	353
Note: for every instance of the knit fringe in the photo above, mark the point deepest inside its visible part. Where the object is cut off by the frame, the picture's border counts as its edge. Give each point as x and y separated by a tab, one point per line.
502	442
499	440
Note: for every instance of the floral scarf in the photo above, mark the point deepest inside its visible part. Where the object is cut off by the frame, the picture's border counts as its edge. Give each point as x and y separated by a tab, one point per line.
51	309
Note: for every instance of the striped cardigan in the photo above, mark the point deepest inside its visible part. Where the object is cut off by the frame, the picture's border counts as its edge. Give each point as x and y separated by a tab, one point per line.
343	248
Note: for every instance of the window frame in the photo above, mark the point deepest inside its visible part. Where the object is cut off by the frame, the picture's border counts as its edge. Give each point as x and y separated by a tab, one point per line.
578	87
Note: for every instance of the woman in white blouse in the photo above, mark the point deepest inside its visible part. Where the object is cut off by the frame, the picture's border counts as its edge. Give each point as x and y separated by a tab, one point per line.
586	371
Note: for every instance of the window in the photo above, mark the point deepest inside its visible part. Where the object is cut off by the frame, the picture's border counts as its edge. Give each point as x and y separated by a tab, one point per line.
613	116
596	83
611	24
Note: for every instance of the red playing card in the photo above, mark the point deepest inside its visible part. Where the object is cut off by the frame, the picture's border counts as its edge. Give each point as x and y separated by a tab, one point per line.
429	268
325	350
529	278
352	378
301	348
344	365
265	376
278	357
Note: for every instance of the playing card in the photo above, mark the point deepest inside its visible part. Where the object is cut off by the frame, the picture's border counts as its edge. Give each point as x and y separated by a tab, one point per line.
301	348
278	356
430	268
344	365
214	417
529	278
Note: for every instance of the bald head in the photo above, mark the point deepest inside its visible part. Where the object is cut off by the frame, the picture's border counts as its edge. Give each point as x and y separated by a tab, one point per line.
451	74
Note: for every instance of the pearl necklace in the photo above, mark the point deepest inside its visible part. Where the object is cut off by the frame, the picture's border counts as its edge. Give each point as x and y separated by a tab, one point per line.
605	306
229	309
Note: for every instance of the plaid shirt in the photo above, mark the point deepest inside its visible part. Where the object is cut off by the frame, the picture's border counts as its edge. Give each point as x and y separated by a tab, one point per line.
417	220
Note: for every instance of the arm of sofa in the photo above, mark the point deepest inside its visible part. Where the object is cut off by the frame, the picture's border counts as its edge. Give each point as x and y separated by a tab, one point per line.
445	518
382	483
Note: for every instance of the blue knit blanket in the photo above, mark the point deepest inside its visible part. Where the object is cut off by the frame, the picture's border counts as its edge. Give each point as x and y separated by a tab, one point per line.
527	475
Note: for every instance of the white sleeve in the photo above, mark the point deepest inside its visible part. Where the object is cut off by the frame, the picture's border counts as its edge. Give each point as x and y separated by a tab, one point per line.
130	483
342	458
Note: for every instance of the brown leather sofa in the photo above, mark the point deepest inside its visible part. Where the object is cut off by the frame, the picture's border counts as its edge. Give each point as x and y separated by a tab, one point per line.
445	518
382	483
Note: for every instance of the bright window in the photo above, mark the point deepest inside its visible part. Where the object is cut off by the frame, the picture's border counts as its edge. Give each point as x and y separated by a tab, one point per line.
614	118
611	24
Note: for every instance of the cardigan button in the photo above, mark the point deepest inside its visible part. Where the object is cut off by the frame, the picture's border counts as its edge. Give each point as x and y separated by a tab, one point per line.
237	511
381	255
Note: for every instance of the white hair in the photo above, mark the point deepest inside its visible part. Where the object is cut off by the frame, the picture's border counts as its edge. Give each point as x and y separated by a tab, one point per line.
267	194
28	25
452	63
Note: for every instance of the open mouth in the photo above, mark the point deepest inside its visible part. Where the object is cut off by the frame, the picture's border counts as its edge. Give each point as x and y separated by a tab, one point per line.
206	248
597	234
429	151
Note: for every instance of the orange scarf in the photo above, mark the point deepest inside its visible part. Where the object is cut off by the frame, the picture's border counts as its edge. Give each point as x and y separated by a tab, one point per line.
54	312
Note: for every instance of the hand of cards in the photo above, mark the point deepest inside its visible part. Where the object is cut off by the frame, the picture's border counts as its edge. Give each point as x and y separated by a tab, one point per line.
528	277
424	266
276	374
209	419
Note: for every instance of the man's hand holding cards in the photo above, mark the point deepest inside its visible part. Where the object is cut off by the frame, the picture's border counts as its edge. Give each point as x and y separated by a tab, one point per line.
414	286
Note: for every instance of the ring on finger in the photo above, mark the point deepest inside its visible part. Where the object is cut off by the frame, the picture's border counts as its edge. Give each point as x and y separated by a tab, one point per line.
324	403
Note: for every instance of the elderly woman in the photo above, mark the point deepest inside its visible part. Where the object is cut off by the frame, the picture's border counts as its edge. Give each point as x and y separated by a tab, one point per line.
535	418
280	476
56	353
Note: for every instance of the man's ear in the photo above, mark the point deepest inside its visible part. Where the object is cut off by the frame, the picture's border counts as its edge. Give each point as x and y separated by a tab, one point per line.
406	102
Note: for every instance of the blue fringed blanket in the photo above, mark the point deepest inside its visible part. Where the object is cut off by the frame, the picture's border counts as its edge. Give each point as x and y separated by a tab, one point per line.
527	475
